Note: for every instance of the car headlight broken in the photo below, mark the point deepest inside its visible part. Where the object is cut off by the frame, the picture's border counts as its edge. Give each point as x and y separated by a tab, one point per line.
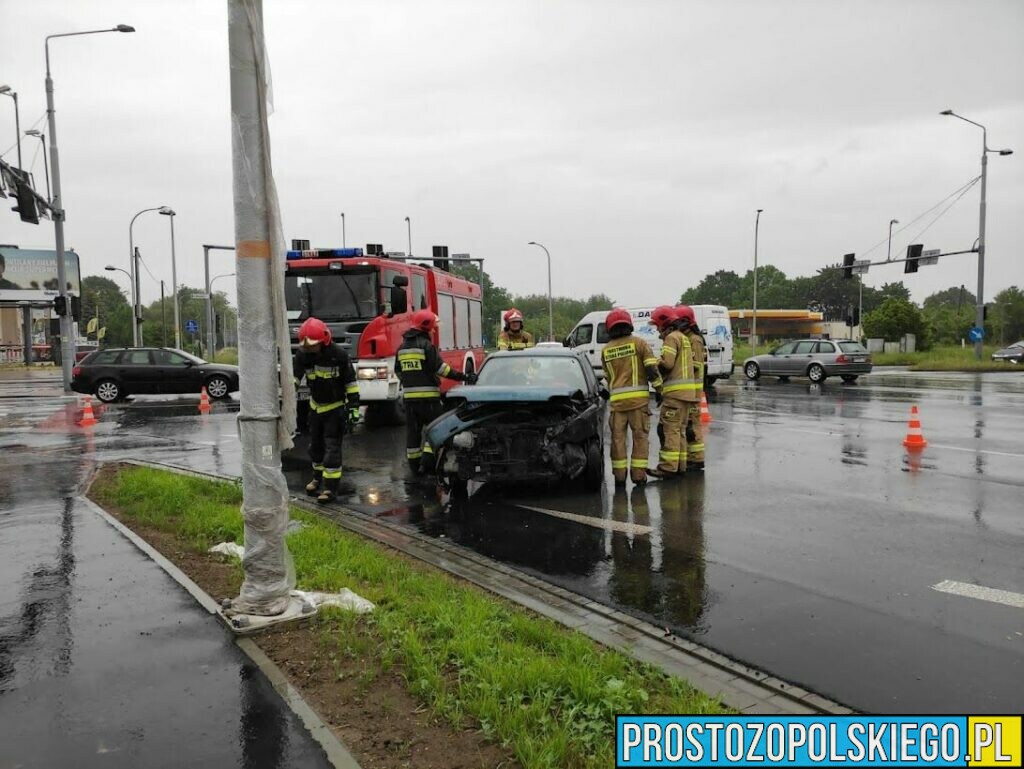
463	440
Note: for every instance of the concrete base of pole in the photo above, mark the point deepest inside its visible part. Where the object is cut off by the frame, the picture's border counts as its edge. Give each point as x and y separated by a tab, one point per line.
297	609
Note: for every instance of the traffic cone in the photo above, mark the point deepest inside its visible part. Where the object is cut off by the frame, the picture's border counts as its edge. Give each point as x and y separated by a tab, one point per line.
705	415
915	440
204	402
88	418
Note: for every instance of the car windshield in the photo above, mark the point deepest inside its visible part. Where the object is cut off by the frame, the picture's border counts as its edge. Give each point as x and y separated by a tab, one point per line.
533	371
851	347
331	295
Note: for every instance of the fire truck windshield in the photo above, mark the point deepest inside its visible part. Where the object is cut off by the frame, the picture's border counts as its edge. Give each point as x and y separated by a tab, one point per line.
331	295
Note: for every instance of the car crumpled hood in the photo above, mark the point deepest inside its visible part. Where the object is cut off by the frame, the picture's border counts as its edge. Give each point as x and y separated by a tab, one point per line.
482	404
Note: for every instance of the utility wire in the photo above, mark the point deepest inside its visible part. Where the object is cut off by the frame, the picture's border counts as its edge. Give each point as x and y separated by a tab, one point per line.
943	212
34	125
961	191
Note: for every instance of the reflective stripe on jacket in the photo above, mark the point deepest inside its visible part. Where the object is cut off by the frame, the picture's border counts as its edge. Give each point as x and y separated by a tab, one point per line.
515	340
677	362
419	367
629	365
700	354
330	376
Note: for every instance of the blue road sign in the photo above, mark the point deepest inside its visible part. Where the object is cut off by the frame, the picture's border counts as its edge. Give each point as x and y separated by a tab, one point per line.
192	326
976	334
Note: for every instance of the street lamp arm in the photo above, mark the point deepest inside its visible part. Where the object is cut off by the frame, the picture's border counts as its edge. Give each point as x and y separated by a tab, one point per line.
118	28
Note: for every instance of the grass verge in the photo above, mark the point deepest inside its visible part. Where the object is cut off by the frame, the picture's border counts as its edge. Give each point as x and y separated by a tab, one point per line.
948	358
546	693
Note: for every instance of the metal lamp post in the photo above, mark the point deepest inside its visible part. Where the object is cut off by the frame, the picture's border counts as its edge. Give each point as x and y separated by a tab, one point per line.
343	230
551	312
979	315
165	211
753	329
212	331
133	262
56	205
408	228
6	90
46	163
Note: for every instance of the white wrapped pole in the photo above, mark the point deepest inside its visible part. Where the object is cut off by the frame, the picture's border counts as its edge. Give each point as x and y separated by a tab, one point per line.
266	422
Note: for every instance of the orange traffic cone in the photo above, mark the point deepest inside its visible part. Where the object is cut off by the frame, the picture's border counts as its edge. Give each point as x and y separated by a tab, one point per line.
705	415
204	402
915	439
88	418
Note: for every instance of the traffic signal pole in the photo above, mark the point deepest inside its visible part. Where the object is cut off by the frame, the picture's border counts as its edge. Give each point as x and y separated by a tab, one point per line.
979	315
67	354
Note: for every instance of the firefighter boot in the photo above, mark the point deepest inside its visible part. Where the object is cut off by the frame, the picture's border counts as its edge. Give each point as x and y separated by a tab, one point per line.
330	492
313	487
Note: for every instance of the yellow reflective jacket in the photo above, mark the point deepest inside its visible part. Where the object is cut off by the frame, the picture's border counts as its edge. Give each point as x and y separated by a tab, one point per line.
515	340
629	364
677	361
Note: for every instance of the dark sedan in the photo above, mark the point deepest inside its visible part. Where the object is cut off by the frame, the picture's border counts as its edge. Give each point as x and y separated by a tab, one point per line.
114	373
534	415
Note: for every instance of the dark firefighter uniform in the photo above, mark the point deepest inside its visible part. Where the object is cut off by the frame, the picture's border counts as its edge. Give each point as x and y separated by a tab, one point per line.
420	368
333	402
694	427
629	365
515	340
677	392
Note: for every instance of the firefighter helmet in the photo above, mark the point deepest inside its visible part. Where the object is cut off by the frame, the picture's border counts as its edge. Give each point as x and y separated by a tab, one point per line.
685	316
618	317
512	316
662	317
314	331
424	320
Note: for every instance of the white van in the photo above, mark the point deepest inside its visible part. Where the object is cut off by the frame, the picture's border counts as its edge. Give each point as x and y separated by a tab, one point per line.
590	336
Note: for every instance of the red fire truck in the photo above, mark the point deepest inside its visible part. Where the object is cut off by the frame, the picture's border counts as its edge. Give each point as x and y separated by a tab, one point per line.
367	300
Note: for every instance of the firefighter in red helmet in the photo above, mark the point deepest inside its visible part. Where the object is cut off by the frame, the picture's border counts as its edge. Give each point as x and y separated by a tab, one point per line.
333	403
630	366
686	322
513	335
419	367
676	366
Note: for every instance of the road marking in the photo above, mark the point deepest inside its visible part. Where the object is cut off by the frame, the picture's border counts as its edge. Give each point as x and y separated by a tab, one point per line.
977	451
587	520
982	593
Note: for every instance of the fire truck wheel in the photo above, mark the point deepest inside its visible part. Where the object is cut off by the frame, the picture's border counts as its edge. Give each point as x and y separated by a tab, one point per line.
386	413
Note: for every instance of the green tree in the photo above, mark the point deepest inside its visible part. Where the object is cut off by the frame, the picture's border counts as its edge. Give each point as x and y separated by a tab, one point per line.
894	318
1008	315
721	287
115	312
956	297
496	298
192	306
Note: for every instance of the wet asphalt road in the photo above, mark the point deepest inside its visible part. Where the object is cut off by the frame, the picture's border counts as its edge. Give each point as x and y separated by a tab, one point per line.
105	661
809	548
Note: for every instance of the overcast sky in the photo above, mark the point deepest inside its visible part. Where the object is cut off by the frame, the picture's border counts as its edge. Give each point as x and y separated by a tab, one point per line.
634	139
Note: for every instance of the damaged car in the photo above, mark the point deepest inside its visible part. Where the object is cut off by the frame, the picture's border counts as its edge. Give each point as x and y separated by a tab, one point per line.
533	416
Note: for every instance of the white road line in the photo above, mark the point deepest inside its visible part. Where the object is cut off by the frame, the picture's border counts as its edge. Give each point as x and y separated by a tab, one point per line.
587	520
982	593
976	451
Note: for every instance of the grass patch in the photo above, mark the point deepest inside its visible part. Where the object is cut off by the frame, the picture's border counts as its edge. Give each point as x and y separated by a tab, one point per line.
948	358
227	355
547	693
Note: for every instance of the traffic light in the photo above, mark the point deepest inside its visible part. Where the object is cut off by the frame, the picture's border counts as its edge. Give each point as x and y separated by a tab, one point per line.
848	266
441	258
855	317
26	207
76	308
913	254
60	305
374	249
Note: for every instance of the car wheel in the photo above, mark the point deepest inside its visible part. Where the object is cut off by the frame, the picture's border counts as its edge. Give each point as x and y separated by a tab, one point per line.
218	387
816	373
849	378
593	473
108	391
752	370
783	378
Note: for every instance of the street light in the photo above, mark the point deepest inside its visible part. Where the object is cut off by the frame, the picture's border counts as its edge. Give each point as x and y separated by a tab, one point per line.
551	313
343	230
165	211
213	335
979	315
46	163
56	205
133	262
408	227
753	328
6	90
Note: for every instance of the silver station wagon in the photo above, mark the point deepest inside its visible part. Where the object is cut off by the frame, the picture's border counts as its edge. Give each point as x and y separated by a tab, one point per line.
816	359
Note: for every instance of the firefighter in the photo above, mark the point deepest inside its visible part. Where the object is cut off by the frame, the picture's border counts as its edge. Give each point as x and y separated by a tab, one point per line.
420	368
676	364
629	365
514	336
686	322
333	403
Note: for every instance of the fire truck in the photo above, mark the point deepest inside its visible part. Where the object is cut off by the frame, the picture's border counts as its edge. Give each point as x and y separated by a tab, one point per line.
366	299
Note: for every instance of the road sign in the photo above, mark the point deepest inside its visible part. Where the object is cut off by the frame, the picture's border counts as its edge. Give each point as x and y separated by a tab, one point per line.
930	256
461	257
860	266
976	334
191	326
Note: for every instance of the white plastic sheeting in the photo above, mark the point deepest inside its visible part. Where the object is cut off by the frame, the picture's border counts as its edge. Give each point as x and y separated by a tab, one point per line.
228	548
